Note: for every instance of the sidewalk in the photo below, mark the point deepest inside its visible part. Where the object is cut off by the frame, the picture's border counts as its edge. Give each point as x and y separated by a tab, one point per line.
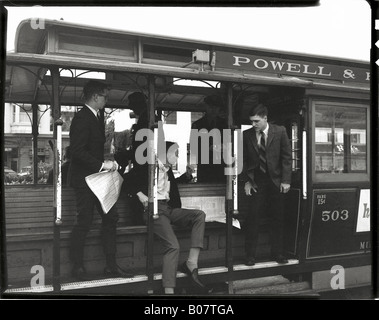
278	286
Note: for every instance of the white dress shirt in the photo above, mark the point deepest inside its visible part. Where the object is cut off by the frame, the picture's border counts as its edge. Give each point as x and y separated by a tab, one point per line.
163	184
93	110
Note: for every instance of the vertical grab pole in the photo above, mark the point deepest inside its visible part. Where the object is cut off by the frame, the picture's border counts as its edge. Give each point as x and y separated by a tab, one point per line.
58	173
229	196
155	189
151	204
235	176
304	164
57	179
35	133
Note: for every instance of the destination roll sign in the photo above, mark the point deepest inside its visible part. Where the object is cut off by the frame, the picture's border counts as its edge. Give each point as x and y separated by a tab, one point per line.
309	69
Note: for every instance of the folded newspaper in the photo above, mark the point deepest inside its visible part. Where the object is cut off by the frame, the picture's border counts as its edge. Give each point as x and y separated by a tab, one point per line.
214	208
106	185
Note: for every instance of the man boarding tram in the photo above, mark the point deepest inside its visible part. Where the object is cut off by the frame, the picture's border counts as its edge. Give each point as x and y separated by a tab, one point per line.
267	176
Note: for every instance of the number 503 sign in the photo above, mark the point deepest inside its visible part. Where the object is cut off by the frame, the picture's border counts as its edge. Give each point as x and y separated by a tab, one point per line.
338	222
328	215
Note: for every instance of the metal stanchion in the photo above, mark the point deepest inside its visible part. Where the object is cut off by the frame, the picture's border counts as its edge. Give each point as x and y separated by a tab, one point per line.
236	168
152	208
57	205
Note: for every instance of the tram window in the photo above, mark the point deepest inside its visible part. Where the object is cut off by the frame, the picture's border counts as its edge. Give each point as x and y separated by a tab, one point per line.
207	170
179	132
295	147
22	115
67	114
118	124
340	139
20	151
176	127
170	117
79	73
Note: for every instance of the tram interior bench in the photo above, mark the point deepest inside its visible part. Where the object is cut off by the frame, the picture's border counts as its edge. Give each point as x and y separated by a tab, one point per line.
30	233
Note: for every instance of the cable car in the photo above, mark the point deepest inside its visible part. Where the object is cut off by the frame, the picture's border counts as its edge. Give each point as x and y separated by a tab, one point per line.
323	102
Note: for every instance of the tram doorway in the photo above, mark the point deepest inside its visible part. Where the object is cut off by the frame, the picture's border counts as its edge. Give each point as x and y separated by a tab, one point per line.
286	108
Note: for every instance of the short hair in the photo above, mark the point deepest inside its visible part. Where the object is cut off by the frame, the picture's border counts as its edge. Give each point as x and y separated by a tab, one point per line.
94	87
214	100
137	100
169	144
259	110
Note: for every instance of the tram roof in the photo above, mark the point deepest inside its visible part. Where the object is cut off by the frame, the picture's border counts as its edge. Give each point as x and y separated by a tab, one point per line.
28	38
75	46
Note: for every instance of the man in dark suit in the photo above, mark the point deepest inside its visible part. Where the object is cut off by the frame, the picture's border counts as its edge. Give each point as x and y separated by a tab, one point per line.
87	138
170	213
267	176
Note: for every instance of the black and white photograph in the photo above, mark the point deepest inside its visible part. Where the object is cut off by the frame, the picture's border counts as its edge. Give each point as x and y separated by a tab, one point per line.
193	151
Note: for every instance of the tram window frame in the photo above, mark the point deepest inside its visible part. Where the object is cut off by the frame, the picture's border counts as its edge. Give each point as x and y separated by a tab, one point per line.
342	175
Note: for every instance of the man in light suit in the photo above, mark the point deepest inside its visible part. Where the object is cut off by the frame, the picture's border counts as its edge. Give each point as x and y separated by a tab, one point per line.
87	138
267	176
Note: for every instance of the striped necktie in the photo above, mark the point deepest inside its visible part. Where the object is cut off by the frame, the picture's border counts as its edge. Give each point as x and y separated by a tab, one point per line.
262	154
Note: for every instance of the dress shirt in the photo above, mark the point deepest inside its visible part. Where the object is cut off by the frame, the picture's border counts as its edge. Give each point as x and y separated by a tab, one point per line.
163	184
93	110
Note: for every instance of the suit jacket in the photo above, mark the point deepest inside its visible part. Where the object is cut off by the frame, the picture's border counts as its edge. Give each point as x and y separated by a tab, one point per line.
137	180
210	172
87	138
278	155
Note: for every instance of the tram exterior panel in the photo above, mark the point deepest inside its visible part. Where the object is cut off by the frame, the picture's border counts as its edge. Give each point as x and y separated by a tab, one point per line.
324	103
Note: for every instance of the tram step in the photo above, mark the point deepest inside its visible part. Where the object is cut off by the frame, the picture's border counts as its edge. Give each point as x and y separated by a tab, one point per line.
99	284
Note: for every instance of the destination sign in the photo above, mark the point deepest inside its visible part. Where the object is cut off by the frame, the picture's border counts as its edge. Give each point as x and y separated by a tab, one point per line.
277	65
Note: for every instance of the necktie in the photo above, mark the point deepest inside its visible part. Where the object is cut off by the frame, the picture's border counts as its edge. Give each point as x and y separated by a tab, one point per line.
262	154
98	116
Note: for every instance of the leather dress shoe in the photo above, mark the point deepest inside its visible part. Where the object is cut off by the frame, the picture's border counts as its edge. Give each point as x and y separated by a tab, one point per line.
116	272
80	273
194	276
250	261
281	259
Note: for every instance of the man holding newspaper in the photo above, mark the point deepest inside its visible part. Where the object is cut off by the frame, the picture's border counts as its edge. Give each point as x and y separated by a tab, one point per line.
87	138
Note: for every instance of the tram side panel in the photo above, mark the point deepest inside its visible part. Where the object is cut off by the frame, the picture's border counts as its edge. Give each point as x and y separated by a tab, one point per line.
30	233
337	219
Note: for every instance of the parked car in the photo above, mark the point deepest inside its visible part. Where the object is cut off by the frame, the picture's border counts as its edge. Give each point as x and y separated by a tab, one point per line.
10	176
26	173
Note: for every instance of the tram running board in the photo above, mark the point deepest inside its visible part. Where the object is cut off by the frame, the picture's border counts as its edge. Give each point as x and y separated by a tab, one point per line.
266	264
142	278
